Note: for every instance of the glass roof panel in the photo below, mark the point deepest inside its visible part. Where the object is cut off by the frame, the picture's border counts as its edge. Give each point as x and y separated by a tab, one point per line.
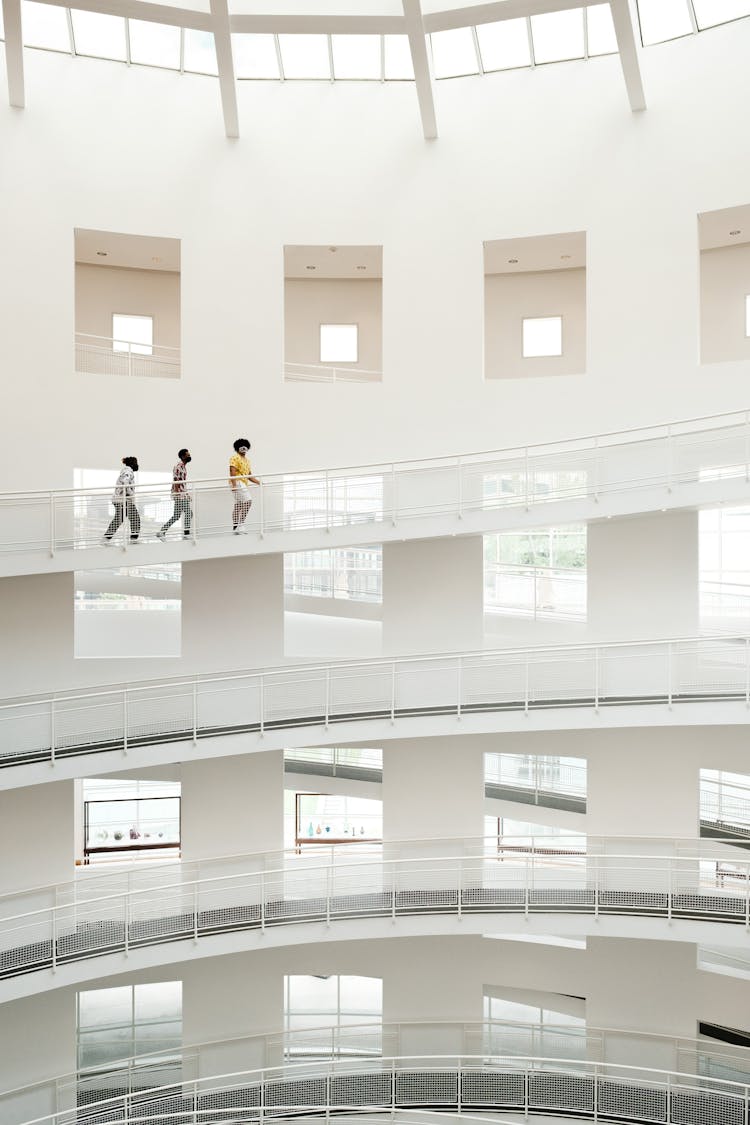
155	44
2	29
557	36
356	56
663	19
305	56
710	12
398	64
45	26
601	30
200	52
454	53
255	56
504	45
99	35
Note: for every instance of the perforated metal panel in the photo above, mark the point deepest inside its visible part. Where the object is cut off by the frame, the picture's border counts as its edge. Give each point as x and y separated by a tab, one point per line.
426	1087
561	1091
703	1107
631	1102
362	1089
498	1090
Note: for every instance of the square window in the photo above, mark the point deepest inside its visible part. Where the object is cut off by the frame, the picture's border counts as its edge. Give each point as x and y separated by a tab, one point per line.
132	334
339	343
99	34
542	336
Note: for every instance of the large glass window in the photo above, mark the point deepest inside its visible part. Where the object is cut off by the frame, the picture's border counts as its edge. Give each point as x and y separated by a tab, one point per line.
725	802
536	778
330	819
335	761
335	1004
114	1024
514	1027
724	568
542	336
339	343
348	573
132	334
539	574
311	501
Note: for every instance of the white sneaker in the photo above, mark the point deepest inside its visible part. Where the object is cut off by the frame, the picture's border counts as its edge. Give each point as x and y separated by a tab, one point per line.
105	542
236	531
242	531
161	535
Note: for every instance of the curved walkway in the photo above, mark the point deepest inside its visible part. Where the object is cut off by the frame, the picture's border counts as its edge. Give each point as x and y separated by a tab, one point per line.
671	465
141	1074
630	683
452	878
439	1083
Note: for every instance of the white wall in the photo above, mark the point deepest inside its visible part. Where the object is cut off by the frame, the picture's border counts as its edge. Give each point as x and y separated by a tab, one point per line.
508	298
631	181
233	806
725	282
433	595
37	836
308	304
432	788
101	633
103	290
642	577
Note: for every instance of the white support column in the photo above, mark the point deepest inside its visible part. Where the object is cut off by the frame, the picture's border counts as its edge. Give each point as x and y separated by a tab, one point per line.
432	788
14	52
225	62
233	806
643	576
233	612
433	595
36	838
422	70
622	17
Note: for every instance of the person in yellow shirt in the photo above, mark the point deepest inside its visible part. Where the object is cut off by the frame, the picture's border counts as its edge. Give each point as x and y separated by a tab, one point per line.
240	479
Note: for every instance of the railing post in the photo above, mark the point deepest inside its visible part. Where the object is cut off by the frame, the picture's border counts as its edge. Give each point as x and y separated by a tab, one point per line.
54	939
459	468
126	922
262	902
328	897
195	712
328	502
393	693
596	471
595	1092
670	889
261	504
394	505
130	358
459	686
536	591
193	502
747	446
52	731
52	525
195	909
669	1099
526	491
670	467
124	720
459	888
669	675
747	671
596	680
595	857
328	697
526	687
747	897
262	705
527	874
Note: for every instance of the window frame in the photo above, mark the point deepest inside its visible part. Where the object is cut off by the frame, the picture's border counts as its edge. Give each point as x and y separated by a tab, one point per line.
541	355
338	324
133	348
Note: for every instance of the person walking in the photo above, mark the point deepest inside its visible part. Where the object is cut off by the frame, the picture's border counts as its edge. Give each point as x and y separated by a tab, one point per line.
240	477
122	498
182	506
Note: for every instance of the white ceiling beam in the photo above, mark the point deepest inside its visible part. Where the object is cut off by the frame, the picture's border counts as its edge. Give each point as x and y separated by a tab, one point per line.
498	10
319	25
622	17
225	61
14	52
414	27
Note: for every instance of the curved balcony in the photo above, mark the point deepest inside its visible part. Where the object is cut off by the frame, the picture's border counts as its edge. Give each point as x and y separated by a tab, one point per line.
674	465
470	1085
74	926
147	1075
701	680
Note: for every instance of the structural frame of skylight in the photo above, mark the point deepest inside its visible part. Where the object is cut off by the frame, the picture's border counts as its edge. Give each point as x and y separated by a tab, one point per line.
694	16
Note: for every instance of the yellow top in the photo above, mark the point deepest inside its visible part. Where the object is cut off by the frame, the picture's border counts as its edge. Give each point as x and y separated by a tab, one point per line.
242	466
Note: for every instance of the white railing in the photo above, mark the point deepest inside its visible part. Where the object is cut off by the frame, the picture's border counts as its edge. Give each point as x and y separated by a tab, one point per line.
448	878
335	761
472	487
535	591
591	677
325	373
468	1084
103	355
491	1038
536	775
725	803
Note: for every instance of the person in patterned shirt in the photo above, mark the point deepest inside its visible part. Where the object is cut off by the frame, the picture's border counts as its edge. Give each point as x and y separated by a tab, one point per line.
122	498
180	497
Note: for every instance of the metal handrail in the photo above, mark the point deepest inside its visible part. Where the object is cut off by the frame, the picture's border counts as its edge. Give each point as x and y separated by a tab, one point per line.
584	444
83	336
634	1082
334	1035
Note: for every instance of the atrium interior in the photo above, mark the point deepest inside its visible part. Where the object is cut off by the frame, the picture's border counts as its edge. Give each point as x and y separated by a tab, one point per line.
374	562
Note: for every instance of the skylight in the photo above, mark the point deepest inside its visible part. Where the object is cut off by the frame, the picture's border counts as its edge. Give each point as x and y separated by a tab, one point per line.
710	12
45	26
397	58
600	30
356	56
454	53
557	36
154	44
305	56
504	45
99	35
255	56
663	19
200	52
